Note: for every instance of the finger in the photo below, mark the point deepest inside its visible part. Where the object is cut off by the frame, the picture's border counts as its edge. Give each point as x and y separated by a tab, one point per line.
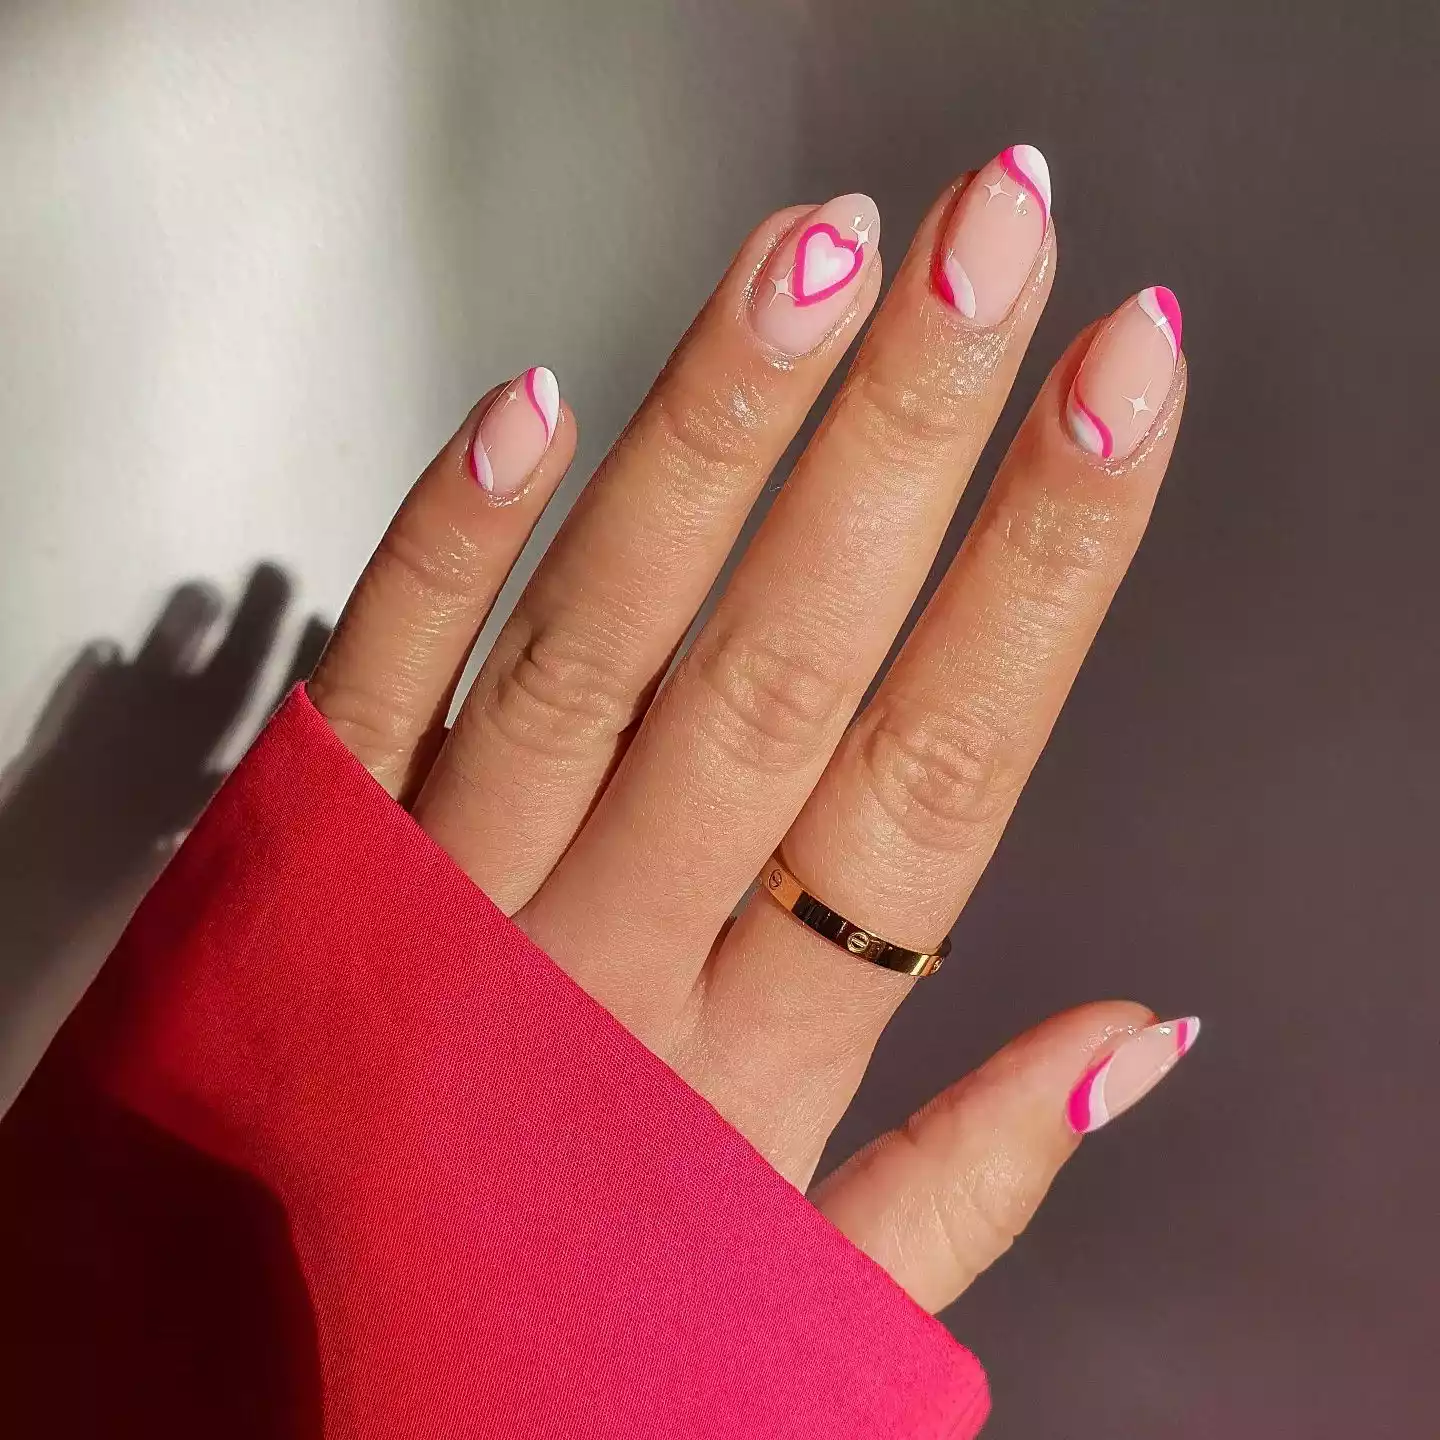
180	630
86	673
222	689
896	834
386	679
729	752
939	1200
596	626
306	655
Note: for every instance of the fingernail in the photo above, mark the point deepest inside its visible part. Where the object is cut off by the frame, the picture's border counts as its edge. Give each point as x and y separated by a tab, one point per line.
810	282
515	432
1125	375
1129	1071
995	234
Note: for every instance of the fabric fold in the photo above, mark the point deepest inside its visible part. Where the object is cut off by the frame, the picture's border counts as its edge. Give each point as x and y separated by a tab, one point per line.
331	1149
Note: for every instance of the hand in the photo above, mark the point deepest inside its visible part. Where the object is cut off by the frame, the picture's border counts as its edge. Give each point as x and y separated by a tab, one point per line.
621	821
118	765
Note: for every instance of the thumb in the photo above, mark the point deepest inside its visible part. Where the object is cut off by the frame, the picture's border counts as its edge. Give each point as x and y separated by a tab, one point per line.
940	1199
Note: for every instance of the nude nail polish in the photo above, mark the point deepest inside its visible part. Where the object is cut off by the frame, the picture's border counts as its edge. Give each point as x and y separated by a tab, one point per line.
810	283
1125	375
515	432
1131	1070
995	235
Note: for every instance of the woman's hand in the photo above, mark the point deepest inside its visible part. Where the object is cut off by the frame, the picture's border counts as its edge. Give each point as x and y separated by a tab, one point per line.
622	821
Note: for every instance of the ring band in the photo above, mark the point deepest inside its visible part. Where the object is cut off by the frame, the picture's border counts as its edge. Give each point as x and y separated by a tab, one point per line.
787	892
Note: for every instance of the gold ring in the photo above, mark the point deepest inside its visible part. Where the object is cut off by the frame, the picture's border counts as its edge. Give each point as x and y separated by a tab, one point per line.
787	892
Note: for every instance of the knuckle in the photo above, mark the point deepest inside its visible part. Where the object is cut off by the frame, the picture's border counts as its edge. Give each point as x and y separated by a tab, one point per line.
377	726
944	780
770	708
981	1222
979	1219
901	421
441	569
560	694
1056	554
699	438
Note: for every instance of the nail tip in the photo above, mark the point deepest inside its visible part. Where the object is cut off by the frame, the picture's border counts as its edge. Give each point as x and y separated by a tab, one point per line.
1034	157
1162	305
1188	1028
544	391
1029	162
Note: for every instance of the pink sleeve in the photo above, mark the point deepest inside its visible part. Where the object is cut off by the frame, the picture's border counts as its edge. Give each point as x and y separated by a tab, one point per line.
330	1149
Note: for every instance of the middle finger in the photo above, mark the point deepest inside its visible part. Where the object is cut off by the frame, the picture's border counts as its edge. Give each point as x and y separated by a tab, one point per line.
733	746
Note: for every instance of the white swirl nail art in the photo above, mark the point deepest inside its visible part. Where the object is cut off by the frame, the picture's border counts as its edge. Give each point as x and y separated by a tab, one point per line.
1163	309
956	287
1130	1071
544	392
508	444
1029	168
1090	431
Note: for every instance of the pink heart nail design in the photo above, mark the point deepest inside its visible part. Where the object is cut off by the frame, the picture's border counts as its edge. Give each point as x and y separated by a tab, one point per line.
825	262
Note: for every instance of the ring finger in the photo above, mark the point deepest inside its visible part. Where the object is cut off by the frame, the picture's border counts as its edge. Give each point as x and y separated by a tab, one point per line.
897	832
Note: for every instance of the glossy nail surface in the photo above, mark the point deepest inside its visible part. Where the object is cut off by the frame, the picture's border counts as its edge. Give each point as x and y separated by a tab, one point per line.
811	281
1131	1070
1125	375
995	235
515	432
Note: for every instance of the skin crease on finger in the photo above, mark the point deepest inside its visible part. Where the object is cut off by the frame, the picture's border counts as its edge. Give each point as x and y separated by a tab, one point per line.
883	473
942	1198
1055	553
1063	546
819	595
554	708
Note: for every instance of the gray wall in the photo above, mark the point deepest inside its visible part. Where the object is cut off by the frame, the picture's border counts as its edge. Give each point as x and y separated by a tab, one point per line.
256	259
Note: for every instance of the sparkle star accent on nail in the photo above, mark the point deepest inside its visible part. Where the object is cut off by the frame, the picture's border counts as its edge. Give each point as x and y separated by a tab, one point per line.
861	236
1139	404
996	190
782	286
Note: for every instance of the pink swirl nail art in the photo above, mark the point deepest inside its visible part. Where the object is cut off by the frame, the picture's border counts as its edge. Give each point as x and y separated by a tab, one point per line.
508	441
1028	168
1125	375
1129	1072
956	285
1088	428
995	236
1163	309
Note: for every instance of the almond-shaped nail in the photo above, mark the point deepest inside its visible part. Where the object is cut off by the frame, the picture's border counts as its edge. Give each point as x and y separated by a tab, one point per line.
1128	1072
809	284
1125	375
995	235
515	432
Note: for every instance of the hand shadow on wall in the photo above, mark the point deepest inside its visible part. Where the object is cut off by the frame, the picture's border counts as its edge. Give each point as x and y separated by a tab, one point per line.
151	1290
123	758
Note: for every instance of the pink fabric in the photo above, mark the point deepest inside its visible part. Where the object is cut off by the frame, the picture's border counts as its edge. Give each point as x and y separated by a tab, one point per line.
331	1149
